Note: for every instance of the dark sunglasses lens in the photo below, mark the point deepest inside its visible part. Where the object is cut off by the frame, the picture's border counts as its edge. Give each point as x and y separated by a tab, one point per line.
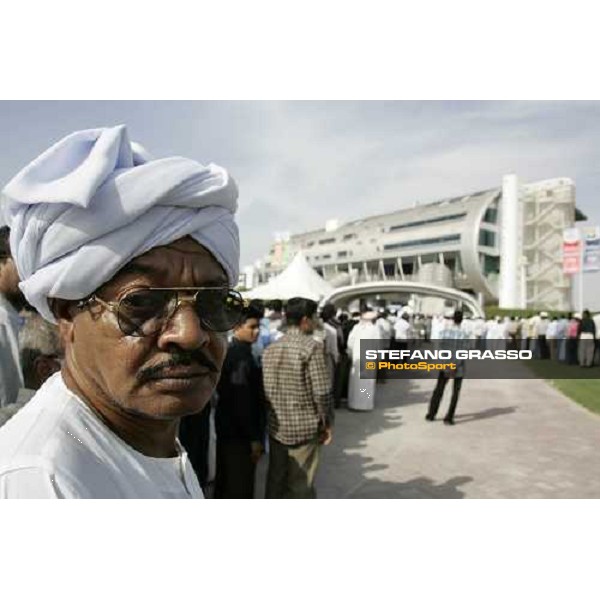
143	312
219	310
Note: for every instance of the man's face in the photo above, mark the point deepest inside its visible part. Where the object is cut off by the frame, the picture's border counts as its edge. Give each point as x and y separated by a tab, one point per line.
248	331
9	281
166	375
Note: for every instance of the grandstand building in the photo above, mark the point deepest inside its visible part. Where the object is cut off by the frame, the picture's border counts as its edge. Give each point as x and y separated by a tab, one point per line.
502	245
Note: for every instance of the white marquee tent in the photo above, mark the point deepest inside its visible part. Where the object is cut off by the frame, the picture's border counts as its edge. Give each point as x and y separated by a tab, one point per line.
298	279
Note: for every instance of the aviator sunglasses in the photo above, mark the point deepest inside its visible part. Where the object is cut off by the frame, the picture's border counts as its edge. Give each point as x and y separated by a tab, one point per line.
145	311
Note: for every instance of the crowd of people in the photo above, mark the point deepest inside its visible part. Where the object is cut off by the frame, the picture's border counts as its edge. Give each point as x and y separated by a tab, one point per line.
130	367
569	338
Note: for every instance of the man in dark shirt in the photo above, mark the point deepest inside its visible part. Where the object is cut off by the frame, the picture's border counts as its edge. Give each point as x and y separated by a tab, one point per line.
239	417
328	313
194	435
587	340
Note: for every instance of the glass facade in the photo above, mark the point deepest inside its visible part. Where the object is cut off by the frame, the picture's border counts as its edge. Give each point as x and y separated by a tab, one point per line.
491	264
443	239
491	215
428	221
487	238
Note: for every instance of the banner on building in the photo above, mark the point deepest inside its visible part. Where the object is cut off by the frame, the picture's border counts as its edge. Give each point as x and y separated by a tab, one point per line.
591	249
571	251
280	251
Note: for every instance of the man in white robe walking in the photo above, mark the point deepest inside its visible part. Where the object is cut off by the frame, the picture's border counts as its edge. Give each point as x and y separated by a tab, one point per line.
361	392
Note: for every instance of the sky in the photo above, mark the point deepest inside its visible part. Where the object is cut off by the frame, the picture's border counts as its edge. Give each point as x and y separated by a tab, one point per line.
298	164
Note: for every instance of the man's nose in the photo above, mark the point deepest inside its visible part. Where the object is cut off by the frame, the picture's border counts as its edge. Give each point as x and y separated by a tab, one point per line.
184	330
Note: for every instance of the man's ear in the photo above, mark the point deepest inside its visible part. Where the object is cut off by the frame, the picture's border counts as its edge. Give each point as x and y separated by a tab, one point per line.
44	367
63	312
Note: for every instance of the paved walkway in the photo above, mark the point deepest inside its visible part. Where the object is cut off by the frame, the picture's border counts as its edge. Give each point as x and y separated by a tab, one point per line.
512	439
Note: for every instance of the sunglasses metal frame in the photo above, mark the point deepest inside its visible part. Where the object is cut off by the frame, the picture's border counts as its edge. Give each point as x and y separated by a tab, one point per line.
181	298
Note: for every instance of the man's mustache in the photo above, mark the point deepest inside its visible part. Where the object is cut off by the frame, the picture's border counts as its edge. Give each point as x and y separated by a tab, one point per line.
181	359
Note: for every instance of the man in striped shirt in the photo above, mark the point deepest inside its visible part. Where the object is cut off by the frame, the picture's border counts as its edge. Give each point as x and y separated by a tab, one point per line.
299	396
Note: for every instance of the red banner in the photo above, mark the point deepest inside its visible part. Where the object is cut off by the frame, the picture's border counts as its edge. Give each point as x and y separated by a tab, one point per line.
571	265
571	251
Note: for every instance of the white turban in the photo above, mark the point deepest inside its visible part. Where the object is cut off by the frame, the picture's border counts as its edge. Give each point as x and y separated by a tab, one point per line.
94	201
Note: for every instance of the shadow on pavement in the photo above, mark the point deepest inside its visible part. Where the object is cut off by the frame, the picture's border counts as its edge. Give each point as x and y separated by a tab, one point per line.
484	414
417	488
345	471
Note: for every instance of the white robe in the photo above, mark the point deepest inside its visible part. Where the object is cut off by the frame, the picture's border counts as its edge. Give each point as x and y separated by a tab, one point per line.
56	447
437	326
361	392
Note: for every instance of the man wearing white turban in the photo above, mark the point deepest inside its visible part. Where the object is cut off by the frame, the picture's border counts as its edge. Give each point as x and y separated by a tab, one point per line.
135	260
